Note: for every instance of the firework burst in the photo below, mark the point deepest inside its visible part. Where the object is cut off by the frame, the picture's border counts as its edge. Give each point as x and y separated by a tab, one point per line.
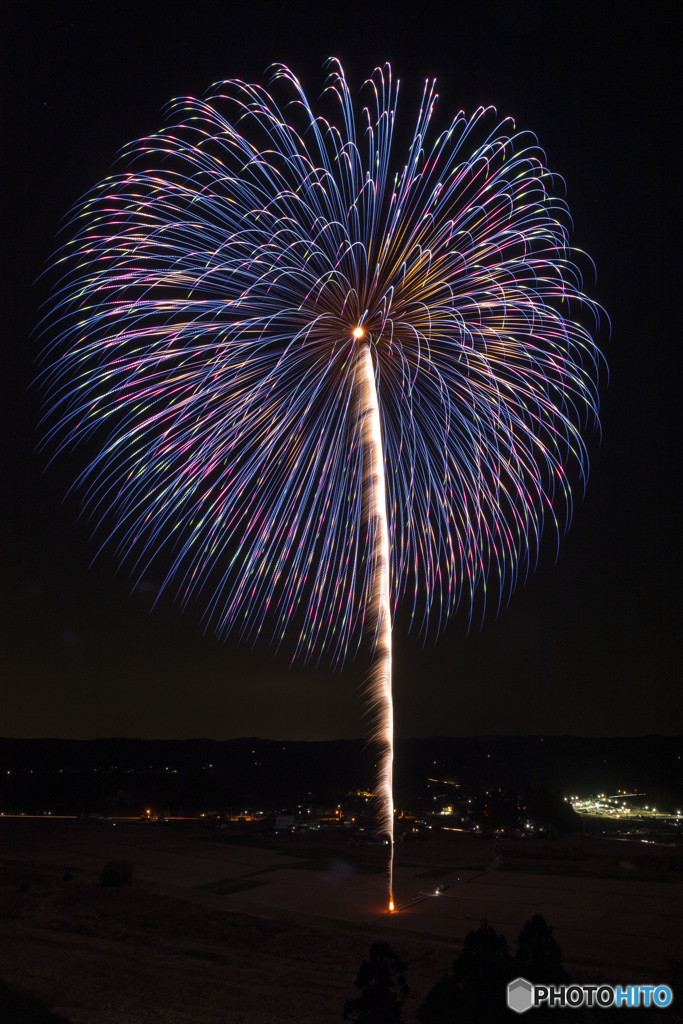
317	386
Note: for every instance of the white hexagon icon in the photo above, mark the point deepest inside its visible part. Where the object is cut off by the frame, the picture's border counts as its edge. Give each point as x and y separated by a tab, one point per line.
520	995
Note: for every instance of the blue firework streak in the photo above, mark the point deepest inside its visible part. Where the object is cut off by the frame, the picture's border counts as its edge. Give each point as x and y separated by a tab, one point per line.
204	335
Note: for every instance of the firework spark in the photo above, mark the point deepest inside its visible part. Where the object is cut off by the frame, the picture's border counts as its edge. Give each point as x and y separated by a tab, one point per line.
315	387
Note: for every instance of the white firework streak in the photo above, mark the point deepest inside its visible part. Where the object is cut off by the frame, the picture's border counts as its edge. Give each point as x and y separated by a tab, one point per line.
380	697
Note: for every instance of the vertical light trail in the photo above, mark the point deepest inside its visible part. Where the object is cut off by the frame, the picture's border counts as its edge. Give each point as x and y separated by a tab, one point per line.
381	702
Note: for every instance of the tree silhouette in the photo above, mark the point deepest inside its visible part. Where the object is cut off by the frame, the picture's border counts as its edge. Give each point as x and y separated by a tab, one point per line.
539	957
382	985
475	988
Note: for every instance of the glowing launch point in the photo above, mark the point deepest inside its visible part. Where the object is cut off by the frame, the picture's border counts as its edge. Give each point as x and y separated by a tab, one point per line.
391	906
358	332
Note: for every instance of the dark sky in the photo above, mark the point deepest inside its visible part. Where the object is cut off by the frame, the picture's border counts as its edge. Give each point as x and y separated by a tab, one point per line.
590	644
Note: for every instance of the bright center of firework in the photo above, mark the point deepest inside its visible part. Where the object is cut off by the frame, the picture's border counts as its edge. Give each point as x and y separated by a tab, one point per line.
391	905
358	332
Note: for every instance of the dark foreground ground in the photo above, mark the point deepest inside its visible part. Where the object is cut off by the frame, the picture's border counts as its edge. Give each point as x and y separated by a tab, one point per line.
219	927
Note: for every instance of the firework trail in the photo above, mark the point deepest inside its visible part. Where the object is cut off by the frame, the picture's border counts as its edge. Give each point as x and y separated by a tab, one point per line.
314	387
381	700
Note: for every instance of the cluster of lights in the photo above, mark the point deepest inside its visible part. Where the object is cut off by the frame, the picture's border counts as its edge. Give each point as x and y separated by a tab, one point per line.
607	805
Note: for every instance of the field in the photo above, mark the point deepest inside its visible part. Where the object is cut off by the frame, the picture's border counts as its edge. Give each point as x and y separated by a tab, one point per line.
223	927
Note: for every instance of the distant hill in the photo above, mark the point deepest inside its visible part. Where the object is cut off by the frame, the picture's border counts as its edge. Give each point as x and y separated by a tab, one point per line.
72	776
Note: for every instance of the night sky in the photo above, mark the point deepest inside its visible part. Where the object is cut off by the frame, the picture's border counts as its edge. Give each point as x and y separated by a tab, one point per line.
590	644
